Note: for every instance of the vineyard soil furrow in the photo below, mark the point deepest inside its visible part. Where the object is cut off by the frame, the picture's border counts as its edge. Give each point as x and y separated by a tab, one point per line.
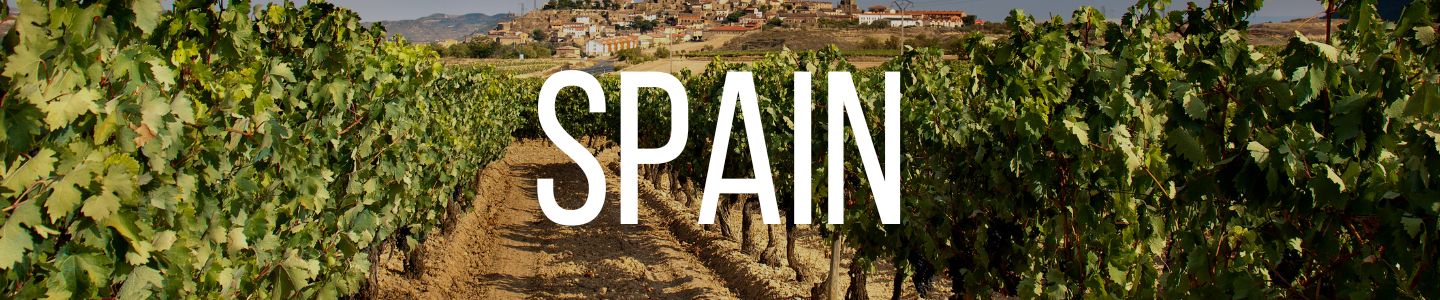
506	249
761	281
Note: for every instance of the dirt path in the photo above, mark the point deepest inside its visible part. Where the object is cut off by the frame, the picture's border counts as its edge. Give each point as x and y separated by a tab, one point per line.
506	248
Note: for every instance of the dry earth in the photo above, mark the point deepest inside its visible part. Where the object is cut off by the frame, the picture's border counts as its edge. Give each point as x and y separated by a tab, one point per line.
1279	33
713	41
505	248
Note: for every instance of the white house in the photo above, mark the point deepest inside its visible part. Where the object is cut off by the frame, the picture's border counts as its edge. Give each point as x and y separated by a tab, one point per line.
941	18
608	46
868	18
952	22
904	23
575	30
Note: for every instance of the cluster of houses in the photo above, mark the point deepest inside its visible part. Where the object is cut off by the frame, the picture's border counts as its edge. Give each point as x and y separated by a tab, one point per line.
599	33
657	23
916	18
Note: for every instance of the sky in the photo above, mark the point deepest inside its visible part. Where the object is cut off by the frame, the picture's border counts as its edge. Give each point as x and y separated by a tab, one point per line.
383	10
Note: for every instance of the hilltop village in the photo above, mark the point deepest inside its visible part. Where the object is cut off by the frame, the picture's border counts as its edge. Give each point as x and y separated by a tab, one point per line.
586	28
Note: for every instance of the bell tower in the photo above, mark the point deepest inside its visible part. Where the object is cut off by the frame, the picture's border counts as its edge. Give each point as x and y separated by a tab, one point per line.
848	6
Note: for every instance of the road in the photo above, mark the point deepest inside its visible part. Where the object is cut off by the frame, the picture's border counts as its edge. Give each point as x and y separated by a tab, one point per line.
600	67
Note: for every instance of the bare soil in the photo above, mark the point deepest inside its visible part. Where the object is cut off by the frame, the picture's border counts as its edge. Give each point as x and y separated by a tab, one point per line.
1280	33
712	41
505	248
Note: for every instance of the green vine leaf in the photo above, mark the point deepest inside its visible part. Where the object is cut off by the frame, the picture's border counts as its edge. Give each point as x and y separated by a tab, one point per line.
40	166
1425	102
101	206
14	245
147	14
61	112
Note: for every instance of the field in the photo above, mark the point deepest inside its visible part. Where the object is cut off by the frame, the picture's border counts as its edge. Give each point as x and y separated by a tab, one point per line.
1277	34
713	41
525	68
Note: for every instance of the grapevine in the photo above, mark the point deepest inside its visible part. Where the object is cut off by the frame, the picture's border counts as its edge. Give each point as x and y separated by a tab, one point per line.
222	151
1158	156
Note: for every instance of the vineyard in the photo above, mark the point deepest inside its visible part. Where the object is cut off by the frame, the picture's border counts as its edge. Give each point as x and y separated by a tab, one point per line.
533	67
220	150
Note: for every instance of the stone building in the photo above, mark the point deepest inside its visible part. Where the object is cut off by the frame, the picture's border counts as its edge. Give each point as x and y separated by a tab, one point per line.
567	51
603	47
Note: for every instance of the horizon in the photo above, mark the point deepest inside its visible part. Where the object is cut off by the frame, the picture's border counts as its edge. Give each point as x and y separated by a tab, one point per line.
383	10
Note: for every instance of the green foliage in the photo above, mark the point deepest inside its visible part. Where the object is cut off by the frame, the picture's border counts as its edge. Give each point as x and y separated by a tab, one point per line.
872	43
774	22
734	16
891	52
486	48
948	43
643	25
1090	159
222	152
832	23
633	56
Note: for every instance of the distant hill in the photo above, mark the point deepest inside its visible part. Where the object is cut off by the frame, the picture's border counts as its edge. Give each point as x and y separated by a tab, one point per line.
440	27
433	28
